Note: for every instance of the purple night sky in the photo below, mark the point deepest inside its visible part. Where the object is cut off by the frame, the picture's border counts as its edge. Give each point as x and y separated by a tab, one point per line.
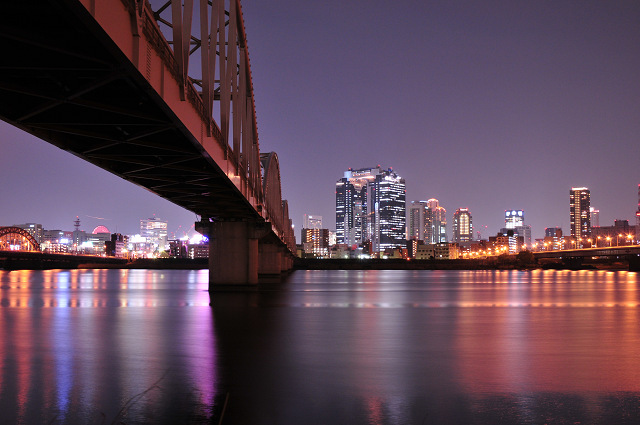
488	105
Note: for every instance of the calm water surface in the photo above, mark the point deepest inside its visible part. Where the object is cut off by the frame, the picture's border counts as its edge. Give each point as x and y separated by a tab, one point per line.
323	347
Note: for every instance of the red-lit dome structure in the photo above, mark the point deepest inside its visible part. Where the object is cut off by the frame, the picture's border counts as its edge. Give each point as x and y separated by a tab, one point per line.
100	229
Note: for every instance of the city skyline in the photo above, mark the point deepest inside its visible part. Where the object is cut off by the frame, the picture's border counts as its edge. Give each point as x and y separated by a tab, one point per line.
489	107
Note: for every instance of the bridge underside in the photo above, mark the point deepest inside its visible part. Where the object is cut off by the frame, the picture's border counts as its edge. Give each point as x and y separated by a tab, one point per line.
64	81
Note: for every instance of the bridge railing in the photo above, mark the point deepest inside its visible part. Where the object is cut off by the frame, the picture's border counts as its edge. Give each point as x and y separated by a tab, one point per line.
223	53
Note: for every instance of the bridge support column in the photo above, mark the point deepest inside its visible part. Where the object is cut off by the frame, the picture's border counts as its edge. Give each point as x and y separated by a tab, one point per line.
572	263
286	262
634	263
270	259
233	252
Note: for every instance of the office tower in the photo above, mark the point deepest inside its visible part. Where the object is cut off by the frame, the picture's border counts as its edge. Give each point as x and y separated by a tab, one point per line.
594	216
316	242
312	222
435	222
462	226
579	213
371	206
351	205
638	218
35	229
525	232
416	220
155	232
387	211
552	232
513	218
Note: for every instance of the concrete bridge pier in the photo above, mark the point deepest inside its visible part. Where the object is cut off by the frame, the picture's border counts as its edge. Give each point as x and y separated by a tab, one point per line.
573	263
239	251
233	252
270	257
634	263
286	263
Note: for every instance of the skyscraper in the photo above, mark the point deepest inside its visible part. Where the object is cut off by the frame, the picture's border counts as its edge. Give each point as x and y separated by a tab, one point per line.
462	226
387	206
312	222
155	232
638	218
315	241
435	222
579	213
416	220
513	218
594	216
351	205
371	206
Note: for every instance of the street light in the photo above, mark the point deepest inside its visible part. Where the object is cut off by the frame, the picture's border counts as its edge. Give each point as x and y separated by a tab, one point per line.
617	239
609	240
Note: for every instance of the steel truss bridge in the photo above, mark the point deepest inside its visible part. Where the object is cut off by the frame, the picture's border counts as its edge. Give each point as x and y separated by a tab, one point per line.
110	82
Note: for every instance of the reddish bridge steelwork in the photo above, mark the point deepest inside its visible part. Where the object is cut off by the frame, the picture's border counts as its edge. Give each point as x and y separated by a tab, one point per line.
109	81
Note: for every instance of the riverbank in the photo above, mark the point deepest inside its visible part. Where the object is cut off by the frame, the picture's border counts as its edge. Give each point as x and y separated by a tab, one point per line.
154	264
493	263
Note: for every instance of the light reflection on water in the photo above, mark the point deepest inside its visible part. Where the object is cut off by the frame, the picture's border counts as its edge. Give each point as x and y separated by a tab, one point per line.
370	347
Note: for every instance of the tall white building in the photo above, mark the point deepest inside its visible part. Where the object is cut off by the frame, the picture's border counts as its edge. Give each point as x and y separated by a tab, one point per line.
594	215
462	226
435	222
154	230
371	207
312	222
638	218
351	205
513	218
416	220
579	212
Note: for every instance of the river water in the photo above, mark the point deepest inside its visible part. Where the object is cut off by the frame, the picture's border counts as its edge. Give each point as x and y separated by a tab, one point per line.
322	347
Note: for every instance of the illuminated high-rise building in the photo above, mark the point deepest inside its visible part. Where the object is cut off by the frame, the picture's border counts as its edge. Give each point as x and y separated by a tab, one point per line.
513	218
387	211
638	218
416	220
371	206
594	216
315	241
312	222
351	205
462	226
435	222
35	229
154	230
579	212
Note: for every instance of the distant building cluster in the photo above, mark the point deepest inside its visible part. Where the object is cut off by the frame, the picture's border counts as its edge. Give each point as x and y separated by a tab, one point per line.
151	242
374	220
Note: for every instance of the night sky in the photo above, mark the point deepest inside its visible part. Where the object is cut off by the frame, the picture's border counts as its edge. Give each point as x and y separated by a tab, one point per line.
489	105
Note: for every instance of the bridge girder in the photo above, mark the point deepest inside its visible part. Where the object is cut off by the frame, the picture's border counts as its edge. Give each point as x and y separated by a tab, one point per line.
74	77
